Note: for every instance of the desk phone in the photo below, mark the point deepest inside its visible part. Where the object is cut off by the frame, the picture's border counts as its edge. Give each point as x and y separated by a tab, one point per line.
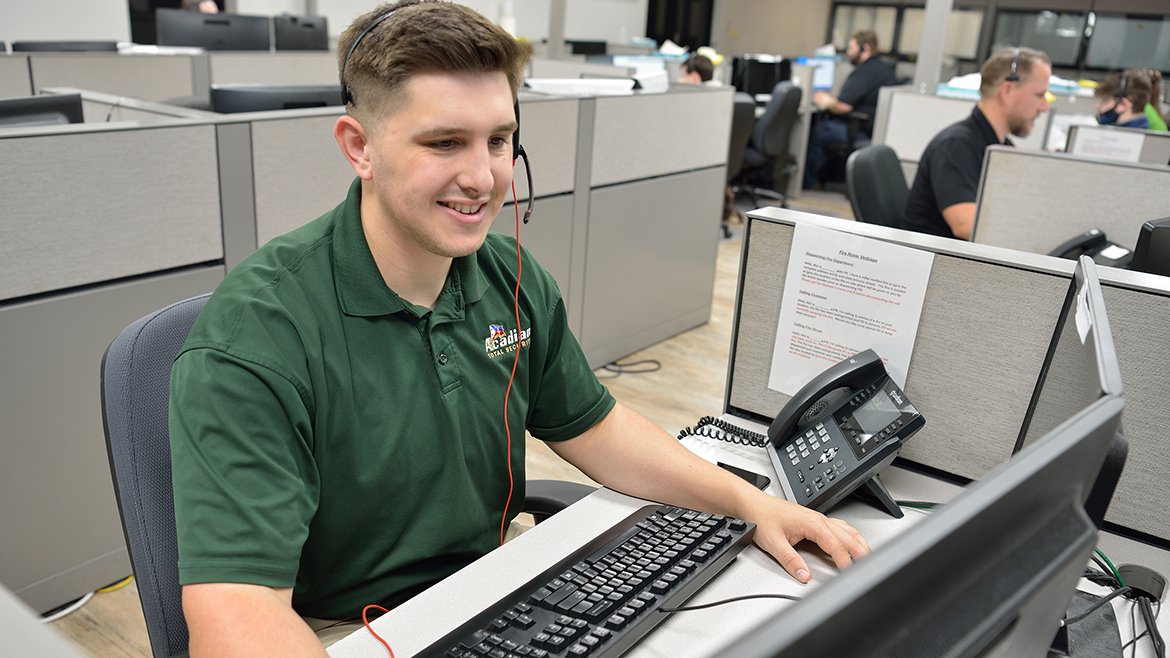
839	431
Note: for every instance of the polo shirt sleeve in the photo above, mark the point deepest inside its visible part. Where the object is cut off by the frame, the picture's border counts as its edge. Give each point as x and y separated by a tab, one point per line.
855	89
569	399
954	172
244	478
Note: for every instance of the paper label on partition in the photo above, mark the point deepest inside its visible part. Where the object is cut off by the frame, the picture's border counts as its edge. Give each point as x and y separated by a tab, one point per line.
844	294
1112	144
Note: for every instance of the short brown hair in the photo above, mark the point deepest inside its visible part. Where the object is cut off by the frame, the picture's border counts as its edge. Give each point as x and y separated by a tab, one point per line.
1138	88
700	64
866	38
998	67
422	36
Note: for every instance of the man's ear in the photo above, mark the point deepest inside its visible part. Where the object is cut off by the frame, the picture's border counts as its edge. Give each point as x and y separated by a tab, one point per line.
353	140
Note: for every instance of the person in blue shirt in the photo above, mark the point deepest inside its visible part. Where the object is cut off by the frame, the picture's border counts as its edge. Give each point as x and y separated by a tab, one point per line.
1122	99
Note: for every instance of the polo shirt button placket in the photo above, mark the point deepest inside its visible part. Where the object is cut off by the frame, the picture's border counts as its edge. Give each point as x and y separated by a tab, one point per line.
442	358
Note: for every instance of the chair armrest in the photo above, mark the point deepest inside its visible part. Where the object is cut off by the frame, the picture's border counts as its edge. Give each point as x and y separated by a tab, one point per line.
543	498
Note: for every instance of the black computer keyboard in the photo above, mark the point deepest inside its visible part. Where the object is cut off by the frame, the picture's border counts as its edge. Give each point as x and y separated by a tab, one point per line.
600	600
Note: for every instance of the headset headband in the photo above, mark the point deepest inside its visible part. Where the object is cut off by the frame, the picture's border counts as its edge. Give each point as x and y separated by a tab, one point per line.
347	96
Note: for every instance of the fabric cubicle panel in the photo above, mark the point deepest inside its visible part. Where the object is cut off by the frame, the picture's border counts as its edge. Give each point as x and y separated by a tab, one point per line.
1034	201
148	78
977	354
274	68
14	78
137	201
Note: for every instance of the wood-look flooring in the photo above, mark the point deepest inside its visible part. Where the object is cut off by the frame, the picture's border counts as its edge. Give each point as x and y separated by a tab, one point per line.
688	386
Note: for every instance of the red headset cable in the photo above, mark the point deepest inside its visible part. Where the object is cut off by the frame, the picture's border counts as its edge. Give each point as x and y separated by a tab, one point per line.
515	361
370	628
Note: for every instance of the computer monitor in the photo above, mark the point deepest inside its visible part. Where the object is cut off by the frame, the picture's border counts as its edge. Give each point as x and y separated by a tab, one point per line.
176	27
301	32
1152	253
995	567
824	71
64	46
233	98
46	110
758	74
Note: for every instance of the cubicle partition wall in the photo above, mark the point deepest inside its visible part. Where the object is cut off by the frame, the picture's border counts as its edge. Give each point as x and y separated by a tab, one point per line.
1116	143
906	121
128	222
147	77
986	323
104	108
14	78
1034	200
287	67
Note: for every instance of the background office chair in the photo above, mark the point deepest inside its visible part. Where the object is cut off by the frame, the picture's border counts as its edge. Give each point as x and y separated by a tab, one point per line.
136	372
743	117
877	186
767	164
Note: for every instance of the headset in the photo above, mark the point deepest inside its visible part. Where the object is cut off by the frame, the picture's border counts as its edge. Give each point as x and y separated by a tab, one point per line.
518	152
1013	76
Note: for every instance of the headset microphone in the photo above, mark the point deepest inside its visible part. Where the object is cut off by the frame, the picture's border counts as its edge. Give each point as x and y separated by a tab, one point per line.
518	152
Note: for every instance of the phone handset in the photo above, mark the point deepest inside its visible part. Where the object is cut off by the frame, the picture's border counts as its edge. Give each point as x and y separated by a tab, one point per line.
839	431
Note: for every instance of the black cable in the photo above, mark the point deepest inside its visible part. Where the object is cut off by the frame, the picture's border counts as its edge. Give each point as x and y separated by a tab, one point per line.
721	430
1093	608
736	599
630	368
1152	627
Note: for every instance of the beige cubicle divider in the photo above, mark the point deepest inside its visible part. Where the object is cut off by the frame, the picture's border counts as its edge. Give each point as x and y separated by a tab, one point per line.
986	324
147	77
122	202
1114	143
268	67
1035	201
977	354
99	225
14	77
540	67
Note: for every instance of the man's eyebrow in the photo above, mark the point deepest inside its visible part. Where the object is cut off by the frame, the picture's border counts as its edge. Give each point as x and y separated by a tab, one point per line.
443	132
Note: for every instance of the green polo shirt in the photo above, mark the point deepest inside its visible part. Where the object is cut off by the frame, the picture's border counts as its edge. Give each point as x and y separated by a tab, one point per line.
331	437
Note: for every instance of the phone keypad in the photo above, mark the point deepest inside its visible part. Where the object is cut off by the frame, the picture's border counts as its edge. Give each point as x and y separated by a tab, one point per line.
812	449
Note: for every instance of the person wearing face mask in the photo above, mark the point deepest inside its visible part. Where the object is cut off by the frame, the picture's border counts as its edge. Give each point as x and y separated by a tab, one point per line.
1122	99
1012	94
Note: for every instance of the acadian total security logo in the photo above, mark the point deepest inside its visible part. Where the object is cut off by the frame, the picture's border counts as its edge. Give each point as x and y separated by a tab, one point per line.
501	341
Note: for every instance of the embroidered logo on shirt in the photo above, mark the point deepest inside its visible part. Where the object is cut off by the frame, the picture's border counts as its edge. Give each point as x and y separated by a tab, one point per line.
500	341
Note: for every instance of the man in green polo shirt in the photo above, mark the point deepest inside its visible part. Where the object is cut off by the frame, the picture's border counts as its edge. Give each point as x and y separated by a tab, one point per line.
338	411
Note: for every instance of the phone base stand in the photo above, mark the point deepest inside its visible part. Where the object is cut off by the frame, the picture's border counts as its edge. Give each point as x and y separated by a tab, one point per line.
875	488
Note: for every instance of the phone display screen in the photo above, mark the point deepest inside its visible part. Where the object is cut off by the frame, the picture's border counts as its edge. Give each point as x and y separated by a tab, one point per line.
873	416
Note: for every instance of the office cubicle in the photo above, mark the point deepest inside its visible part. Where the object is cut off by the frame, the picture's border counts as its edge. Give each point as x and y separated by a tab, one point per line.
1035	200
286	67
147	77
986	324
14	79
1116	143
128	222
98	107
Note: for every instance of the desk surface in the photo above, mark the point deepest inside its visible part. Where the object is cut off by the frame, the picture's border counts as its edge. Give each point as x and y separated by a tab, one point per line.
414	625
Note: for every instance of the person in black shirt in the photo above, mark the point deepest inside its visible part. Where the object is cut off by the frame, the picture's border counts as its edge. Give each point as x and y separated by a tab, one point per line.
859	93
1013	92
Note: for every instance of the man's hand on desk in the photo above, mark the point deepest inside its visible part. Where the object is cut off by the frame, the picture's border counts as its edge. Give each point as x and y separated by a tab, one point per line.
628	453
780	525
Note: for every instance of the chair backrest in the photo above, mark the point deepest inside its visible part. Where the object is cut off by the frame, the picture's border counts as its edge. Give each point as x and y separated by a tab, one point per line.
771	133
876	184
743	117
136	372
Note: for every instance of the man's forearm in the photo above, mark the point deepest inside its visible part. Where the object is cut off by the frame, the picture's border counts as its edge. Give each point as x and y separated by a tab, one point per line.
229	620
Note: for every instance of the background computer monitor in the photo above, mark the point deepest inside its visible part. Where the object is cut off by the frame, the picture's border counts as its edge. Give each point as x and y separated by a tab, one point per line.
300	32
824	71
64	46
998	564
1152	253
175	27
758	74
230	99
49	110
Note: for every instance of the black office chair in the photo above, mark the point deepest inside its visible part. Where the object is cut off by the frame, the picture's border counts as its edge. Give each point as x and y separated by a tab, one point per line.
135	392
877	187
743	117
767	164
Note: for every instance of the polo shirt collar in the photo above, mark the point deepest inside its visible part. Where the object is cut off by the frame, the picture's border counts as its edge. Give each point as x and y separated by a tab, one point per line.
362	292
988	131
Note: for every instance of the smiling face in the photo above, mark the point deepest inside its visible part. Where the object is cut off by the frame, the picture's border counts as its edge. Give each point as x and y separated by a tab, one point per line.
440	166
